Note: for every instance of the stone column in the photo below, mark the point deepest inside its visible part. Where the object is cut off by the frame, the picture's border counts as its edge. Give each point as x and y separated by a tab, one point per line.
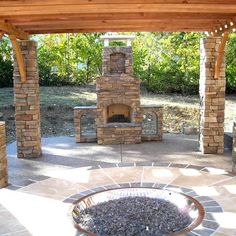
27	108
234	148
212	98
3	156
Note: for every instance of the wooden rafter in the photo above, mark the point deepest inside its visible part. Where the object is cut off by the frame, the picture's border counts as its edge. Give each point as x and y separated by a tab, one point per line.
220	55
10	29
19	57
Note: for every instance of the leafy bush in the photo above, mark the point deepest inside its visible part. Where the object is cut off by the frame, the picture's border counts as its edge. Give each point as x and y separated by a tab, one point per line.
231	65
6	68
6	73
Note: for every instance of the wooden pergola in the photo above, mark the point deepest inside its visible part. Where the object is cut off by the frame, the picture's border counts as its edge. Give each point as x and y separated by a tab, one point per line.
21	18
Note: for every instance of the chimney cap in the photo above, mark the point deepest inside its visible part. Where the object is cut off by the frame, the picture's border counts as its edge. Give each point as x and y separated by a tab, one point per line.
116	37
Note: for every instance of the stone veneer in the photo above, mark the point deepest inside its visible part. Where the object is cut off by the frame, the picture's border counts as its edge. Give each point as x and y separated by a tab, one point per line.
108	63
119	133
78	112
27	106
234	147
212	98
3	156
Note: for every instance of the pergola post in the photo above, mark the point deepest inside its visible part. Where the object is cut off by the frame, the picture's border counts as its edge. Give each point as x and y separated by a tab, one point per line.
26	99
212	97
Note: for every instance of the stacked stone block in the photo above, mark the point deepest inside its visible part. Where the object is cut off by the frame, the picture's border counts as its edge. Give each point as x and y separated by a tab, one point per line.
27	106
3	156
78	112
158	111
212	98
117	64
234	148
119	133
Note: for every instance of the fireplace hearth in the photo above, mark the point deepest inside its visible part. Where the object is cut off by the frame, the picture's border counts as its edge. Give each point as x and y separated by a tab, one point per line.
119	115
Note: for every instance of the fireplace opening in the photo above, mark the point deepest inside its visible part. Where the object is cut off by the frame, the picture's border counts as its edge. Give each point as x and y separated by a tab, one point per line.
117	61
118	113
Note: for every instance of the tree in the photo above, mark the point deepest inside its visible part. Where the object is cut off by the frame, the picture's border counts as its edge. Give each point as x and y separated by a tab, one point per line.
66	59
231	64
168	62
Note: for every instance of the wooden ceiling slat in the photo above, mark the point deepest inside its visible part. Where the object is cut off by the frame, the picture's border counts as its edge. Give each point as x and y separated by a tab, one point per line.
121	29
65	17
116	8
24	20
112	26
96	2
79	23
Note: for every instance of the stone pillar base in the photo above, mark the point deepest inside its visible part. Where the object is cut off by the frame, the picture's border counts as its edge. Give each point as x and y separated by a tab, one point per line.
3	156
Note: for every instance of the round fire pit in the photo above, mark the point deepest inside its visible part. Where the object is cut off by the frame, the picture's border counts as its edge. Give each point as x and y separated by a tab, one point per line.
137	211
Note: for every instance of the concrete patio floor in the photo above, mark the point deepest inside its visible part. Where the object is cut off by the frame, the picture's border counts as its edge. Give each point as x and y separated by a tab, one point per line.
39	199
62	153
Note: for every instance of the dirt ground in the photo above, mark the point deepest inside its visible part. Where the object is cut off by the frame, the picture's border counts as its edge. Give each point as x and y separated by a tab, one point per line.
57	109
58	120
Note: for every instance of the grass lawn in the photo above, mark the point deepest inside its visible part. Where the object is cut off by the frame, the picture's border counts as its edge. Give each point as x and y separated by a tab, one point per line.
72	96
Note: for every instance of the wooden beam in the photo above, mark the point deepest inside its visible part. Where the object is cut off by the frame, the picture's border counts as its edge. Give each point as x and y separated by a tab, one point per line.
118	21
19	57
29	10
119	29
10	29
123	23
28	20
220	55
94	2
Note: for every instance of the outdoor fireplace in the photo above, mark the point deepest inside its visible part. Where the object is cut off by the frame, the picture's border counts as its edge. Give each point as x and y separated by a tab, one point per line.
119	116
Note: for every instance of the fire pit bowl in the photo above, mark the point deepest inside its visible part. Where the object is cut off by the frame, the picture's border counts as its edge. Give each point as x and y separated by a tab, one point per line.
137	211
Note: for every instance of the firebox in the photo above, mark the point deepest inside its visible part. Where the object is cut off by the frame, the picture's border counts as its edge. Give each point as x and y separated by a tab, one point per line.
118	113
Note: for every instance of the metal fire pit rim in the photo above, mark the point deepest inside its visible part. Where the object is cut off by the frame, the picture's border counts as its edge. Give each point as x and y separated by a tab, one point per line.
187	229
